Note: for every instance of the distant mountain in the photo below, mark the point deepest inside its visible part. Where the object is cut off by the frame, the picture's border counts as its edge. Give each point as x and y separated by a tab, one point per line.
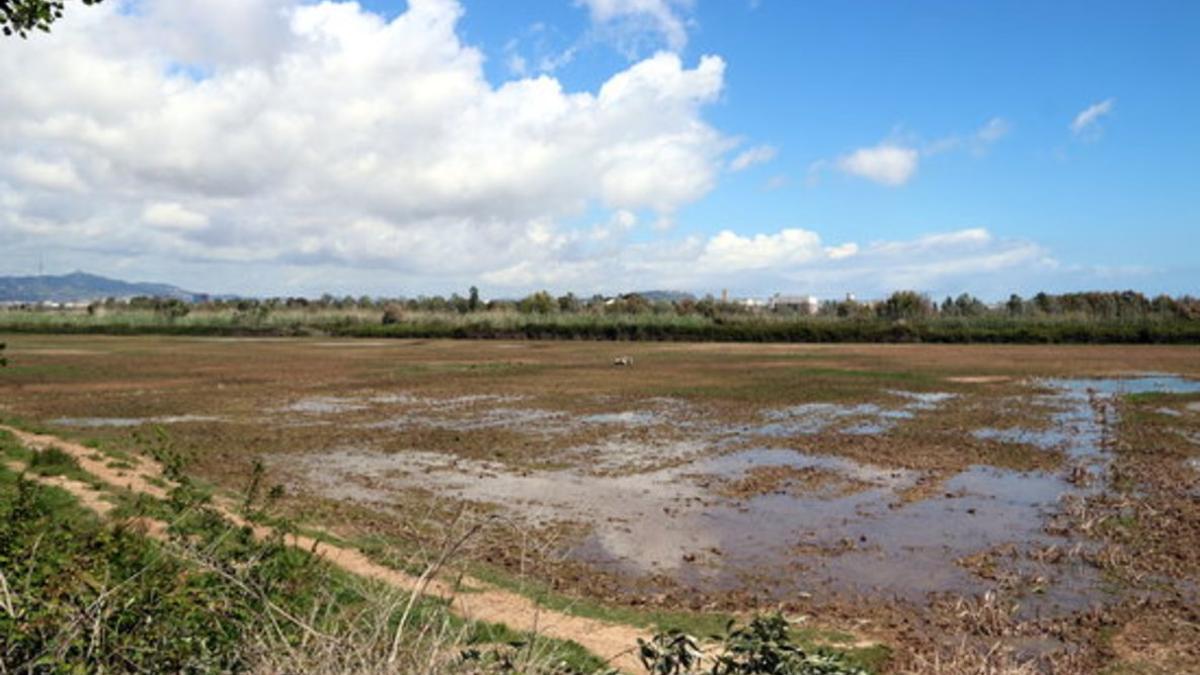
82	287
666	296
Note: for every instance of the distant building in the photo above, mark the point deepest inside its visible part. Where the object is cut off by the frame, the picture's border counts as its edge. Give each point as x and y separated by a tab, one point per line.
805	304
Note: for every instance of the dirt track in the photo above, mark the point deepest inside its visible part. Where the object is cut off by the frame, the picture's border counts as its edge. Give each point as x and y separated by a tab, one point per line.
612	642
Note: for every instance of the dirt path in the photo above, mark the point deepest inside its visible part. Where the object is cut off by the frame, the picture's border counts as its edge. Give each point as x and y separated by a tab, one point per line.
613	642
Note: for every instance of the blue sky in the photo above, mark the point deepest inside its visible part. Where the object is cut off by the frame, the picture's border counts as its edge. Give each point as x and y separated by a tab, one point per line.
947	146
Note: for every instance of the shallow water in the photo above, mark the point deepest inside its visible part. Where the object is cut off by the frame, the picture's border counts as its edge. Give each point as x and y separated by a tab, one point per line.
323	405
859	419
649	519
96	422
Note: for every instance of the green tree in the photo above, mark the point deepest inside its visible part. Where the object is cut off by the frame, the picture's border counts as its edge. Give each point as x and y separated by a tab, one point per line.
538	303
18	17
568	303
473	304
969	305
1016	306
905	305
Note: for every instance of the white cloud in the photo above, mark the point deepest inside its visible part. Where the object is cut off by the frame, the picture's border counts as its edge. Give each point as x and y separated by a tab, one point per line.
728	251
993	130
340	138
37	173
843	251
350	153
886	163
977	143
789	259
759	154
1087	123
632	19
171	215
895	161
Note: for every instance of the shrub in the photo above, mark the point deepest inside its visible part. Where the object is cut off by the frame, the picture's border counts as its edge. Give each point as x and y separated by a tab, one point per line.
393	314
763	646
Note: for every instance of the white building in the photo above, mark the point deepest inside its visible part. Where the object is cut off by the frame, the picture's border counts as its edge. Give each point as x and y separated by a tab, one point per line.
805	304
752	303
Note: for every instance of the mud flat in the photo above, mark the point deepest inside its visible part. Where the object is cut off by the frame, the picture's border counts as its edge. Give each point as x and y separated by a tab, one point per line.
893	485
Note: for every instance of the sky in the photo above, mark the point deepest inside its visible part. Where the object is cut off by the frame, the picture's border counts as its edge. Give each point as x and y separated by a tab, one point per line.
286	147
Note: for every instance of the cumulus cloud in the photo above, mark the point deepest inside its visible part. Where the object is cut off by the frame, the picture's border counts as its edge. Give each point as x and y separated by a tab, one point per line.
339	138
728	251
631	20
886	163
759	154
895	161
347	152
1087	123
788	259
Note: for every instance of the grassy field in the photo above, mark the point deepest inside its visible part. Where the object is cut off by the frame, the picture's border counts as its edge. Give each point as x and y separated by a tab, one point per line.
902	497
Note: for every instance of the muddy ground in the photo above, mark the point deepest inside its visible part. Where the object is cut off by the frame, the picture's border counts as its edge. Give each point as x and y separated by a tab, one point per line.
1046	499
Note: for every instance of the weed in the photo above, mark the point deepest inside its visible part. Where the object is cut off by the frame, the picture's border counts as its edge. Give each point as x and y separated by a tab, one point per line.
764	645
54	461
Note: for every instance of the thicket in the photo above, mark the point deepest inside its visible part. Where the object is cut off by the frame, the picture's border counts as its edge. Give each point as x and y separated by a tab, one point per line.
905	316
78	594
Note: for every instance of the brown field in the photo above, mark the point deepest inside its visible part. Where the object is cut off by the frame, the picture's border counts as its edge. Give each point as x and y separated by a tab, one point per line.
1044	499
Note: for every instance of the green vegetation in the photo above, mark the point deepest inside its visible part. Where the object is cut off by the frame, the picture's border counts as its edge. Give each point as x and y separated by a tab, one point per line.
657	619
764	645
905	316
18	17
77	594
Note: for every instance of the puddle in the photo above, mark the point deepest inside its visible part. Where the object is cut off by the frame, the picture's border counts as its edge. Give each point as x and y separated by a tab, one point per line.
624	455
656	507
458	402
97	422
1085	412
627	510
494	411
861	419
669	521
979	379
632	418
323	405
394	399
532	420
1046	439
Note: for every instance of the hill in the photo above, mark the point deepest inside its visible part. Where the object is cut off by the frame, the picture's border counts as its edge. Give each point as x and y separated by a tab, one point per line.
82	287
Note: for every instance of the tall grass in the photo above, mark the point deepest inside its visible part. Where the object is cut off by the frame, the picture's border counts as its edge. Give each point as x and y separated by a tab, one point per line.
667	326
78	594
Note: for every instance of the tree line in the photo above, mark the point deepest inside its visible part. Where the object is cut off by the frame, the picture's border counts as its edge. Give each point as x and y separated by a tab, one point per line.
900	305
